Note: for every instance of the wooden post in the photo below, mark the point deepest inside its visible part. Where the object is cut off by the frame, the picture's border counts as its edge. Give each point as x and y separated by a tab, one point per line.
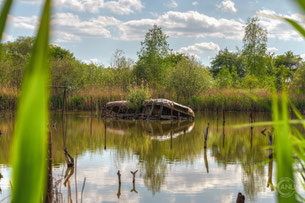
171	138
119	192
217	118
49	198
91	126
251	115
134	181
69	158
206	136
223	117
97	107
240	198
64	101
223	136
172	117
119	176
134	176
91	106
251	138
270	145
206	163
83	187
270	170
75	176
105	139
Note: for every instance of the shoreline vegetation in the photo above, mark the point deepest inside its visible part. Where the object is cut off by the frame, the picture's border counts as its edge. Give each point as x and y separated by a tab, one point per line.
240	80
257	100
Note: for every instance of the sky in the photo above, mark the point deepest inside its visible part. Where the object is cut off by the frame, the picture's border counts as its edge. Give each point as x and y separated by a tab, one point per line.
94	29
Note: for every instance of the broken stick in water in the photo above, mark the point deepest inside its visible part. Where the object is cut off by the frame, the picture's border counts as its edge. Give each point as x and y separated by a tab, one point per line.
69	158
263	131
119	176
83	189
240	198
134	176
206	136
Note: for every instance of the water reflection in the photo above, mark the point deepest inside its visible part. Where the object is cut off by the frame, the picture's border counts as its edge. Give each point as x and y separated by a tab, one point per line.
169	158
1	176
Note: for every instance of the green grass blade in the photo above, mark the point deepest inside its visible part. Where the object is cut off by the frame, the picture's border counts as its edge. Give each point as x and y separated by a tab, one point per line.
302	4
296	25
30	138
3	16
283	147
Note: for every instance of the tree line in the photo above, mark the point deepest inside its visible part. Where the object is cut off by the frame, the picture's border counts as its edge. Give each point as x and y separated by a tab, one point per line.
160	69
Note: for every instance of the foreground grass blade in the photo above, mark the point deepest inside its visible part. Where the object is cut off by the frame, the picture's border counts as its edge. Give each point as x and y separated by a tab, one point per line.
3	17
294	24
283	150
302	4
30	138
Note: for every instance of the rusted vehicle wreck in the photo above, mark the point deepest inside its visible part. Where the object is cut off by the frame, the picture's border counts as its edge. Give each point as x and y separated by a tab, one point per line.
153	109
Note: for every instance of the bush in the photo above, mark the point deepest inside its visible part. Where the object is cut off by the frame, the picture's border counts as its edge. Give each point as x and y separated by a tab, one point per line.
137	96
188	78
298	81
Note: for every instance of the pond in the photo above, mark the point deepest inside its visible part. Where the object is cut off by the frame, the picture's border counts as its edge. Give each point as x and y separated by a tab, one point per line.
172	164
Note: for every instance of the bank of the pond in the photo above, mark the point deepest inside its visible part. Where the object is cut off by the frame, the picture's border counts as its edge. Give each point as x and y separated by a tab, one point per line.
228	100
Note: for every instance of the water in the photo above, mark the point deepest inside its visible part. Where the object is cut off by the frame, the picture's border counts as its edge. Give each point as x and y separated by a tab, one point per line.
170	168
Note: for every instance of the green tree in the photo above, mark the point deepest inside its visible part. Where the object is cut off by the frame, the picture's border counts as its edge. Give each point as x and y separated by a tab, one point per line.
151	64
228	59
57	52
298	80
122	69
289	60
188	78
224	78
254	47
17	54
251	82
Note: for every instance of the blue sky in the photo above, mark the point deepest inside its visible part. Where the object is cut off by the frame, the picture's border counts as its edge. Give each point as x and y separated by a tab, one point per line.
94	29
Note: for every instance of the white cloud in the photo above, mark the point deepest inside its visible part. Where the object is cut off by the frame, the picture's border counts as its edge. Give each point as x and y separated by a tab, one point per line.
28	23
272	49
62	37
184	24
278	28
92	61
75	27
124	6
200	48
120	7
172	4
195	3
227	6
175	24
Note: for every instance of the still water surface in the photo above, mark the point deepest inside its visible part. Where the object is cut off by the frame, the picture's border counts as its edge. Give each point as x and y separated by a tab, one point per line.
170	168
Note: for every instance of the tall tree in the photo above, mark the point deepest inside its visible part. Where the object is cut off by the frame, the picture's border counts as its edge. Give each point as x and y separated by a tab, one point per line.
151	64
228	59
189	78
291	61
254	47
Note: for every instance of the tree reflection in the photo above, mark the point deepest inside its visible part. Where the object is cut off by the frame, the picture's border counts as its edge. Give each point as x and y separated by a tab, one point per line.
151	142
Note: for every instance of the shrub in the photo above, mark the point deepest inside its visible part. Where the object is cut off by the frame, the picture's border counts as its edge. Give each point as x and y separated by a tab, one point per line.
137	96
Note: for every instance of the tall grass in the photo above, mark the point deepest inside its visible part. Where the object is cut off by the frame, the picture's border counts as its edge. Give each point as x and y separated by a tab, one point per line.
29	145
283	147
288	144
